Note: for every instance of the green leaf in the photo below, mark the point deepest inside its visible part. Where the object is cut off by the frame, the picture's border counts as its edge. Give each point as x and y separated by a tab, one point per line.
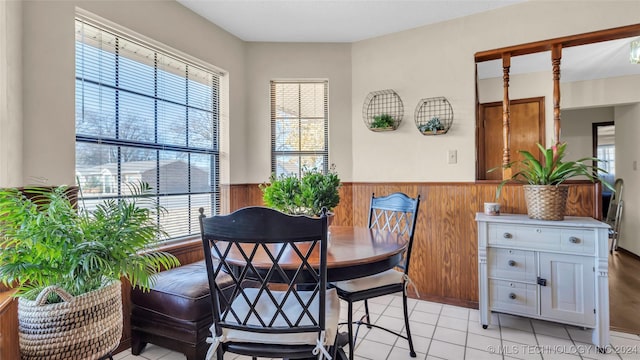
46	241
553	171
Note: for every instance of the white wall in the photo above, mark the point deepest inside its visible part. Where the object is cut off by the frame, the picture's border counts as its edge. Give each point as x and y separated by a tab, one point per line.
10	93
438	60
601	92
278	61
577	129
627	118
49	72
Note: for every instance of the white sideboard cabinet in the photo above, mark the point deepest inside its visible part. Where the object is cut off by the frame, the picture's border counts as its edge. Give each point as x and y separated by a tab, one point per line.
549	270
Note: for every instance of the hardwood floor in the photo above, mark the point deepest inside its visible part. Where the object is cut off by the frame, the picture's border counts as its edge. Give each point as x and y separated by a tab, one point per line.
624	291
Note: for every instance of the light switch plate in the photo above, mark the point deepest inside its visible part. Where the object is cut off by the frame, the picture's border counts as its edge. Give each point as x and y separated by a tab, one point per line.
452	156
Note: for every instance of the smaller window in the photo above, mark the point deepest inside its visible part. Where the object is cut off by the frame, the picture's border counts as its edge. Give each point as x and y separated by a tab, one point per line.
299	126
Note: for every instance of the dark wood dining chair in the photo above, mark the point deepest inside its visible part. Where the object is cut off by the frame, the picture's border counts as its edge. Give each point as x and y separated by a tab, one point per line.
274	321
396	213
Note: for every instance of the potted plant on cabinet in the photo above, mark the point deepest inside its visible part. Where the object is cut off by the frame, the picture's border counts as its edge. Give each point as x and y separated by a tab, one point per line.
67	263
302	196
545	194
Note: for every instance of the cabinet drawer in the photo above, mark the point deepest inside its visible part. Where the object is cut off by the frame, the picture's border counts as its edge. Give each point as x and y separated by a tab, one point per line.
511	296
511	264
578	241
533	237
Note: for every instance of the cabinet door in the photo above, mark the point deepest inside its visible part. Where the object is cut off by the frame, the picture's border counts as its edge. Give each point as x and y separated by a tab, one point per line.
569	295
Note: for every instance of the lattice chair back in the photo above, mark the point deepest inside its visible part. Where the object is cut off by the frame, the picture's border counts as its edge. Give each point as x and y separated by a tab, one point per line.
397	213
250	244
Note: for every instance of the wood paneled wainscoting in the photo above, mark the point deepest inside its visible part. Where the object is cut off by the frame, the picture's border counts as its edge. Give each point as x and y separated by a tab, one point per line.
444	263
444	260
8	326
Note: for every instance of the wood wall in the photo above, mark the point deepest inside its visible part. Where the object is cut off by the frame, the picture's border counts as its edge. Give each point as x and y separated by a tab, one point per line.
8	327
445	261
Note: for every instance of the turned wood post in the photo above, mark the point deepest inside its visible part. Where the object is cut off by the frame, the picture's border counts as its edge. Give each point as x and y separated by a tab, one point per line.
506	136
556	55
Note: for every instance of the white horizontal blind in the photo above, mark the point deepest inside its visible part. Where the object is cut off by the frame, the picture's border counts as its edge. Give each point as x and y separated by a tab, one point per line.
145	115
299	126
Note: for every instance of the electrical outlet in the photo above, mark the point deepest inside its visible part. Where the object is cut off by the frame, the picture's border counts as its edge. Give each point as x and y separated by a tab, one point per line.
452	156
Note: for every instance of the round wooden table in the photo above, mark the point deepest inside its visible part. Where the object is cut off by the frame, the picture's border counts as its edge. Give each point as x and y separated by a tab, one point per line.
353	252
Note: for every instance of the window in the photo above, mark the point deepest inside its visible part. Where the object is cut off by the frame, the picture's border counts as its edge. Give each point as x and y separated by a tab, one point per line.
144	114
299	126
608	154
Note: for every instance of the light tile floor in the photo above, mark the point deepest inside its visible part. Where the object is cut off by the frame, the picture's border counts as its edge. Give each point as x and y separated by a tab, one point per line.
451	332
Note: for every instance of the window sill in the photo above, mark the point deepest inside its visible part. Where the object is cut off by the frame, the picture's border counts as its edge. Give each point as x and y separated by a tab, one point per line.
181	246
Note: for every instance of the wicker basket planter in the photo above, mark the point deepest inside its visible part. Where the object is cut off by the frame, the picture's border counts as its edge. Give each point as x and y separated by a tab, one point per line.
87	326
546	202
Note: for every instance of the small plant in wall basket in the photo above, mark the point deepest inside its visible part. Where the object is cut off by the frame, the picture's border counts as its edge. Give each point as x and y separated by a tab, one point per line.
433	126
383	122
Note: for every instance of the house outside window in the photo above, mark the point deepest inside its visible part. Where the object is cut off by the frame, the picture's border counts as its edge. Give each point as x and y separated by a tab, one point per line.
145	114
299	126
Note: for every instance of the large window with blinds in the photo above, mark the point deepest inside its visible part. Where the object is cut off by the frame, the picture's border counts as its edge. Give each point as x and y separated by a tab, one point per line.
144	114
299	126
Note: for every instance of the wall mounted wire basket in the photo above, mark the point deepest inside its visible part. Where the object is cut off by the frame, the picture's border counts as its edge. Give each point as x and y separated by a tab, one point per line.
382	110
434	116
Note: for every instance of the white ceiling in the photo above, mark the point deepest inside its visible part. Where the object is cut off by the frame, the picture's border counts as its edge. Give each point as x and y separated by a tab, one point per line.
331	20
354	20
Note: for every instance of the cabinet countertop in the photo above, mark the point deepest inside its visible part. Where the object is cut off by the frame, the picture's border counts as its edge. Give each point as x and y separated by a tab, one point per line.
569	221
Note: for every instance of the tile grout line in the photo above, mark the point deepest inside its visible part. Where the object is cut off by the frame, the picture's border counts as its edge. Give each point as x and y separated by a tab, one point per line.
466	338
435	326
502	346
533	329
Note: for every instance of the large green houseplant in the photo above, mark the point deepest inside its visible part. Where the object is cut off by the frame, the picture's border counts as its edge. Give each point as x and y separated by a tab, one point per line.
65	261
302	196
543	179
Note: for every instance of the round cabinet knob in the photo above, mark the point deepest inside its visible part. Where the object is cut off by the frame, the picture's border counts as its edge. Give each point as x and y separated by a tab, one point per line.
512	296
507	235
574	240
512	263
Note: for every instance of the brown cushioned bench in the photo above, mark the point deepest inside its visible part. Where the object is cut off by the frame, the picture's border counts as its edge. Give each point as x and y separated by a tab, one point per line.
176	313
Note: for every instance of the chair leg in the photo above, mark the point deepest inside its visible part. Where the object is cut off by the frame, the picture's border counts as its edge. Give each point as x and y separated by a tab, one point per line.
366	311
412	352
137	345
350	329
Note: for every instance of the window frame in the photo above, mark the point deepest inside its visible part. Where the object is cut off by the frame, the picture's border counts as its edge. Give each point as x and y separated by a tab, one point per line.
213	152
273	118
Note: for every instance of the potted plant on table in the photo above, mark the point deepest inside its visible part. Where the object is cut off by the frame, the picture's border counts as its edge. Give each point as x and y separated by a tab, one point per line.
545	195
302	196
66	265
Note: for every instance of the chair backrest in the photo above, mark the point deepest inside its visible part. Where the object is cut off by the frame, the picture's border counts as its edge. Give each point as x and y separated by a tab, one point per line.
615	203
396	213
251	244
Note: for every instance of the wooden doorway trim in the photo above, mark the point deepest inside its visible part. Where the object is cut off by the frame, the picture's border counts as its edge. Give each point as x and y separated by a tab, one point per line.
594	137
